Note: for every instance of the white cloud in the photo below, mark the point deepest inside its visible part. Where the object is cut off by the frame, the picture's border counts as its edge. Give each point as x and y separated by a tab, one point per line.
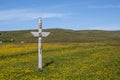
104	6
22	14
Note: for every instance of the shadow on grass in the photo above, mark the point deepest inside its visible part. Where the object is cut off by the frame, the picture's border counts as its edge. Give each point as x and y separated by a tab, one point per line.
48	63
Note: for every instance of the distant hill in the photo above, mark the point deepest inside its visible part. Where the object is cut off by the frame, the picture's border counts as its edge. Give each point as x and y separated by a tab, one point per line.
62	36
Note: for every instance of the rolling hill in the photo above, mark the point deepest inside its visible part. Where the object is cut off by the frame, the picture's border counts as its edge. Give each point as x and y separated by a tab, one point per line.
62	36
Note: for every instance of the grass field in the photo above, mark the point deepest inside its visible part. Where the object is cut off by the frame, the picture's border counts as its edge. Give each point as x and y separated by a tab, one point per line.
74	61
61	36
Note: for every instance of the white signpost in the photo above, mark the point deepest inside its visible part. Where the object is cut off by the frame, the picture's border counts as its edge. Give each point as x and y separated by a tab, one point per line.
40	34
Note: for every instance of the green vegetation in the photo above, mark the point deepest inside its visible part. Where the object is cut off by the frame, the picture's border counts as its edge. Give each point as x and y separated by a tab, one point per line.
68	55
62	36
74	61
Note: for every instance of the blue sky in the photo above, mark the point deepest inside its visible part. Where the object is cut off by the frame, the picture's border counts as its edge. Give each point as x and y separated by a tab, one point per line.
67	14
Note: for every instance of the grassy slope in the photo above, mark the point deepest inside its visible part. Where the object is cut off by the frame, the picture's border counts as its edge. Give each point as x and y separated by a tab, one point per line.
61	35
85	61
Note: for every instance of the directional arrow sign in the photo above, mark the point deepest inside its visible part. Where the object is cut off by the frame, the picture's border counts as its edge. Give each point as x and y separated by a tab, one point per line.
44	34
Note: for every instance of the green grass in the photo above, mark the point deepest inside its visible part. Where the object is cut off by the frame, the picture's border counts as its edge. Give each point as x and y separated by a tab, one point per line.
75	61
62	36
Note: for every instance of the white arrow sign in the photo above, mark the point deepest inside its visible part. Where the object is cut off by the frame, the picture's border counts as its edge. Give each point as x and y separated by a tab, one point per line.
44	34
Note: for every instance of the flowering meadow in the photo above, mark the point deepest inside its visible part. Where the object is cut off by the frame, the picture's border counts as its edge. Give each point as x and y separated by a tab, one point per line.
65	61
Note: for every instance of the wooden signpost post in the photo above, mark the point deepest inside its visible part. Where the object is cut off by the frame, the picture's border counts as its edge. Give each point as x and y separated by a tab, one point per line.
40	34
